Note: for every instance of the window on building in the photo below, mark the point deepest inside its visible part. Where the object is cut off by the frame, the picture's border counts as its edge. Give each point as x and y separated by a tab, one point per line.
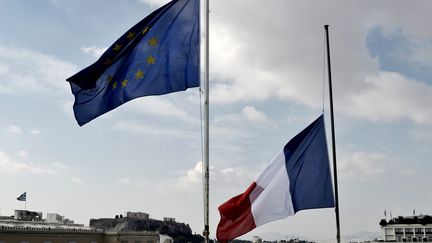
409	230
428	230
419	230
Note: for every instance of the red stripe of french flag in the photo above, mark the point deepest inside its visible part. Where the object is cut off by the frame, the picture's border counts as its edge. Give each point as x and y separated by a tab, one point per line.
267	199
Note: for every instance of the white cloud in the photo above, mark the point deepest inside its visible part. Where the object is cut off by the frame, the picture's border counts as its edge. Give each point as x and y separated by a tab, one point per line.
225	176
13	129
193	175
60	165
126	181
23	71
77	180
93	50
366	165
12	167
137	127
253	115
35	132
22	153
160	106
289	65
154	3
390	96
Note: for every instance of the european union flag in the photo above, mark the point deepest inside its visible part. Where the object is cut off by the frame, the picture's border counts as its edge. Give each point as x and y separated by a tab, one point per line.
159	55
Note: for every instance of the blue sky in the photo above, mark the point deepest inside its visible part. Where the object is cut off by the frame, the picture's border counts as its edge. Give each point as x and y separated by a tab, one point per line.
266	74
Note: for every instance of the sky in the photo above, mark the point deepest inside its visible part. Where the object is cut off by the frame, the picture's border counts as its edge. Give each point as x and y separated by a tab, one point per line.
267	82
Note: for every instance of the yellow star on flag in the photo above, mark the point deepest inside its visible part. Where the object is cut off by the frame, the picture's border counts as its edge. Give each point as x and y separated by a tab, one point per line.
130	36
109	79
114	85
145	30
124	83
108	61
139	74
117	47
153	41
150	60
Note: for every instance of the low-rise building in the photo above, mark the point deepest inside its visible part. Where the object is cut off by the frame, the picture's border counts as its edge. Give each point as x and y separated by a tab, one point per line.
407	229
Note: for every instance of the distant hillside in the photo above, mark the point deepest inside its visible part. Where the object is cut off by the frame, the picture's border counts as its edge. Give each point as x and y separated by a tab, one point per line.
179	231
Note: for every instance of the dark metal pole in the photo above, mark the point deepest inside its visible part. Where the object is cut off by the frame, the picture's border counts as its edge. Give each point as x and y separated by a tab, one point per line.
206	127
333	138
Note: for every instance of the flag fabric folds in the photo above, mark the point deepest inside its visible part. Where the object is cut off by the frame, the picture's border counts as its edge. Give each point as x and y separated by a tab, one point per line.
159	55
298	178
22	197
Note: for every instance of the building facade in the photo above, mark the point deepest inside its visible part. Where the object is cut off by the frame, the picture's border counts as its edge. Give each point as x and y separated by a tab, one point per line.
29	227
48	233
407	229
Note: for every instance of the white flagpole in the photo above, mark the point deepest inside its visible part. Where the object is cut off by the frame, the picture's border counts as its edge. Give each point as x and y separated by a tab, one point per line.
206	126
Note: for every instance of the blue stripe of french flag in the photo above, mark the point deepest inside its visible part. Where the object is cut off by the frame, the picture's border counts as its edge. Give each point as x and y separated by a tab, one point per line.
297	178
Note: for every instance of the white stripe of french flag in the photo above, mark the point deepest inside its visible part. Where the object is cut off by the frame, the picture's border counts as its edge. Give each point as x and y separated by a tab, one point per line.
297	178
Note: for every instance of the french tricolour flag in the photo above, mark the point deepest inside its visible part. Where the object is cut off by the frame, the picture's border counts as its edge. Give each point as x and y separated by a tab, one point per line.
297	178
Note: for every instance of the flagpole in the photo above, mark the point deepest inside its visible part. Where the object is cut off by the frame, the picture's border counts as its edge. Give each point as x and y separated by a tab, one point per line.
206	126
333	138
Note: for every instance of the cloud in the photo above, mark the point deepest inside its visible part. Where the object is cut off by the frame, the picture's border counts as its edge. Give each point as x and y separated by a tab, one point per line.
137	127
77	180
253	115
289	66
154	3
60	165
13	129
126	181
160	106
26	72
391	96
22	153
366	165
35	132
225	176
93	50
12	167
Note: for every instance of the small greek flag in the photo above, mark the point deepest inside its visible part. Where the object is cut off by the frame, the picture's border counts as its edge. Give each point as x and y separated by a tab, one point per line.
23	197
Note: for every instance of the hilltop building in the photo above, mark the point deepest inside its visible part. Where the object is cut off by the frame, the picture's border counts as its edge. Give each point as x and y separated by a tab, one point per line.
137	215
407	229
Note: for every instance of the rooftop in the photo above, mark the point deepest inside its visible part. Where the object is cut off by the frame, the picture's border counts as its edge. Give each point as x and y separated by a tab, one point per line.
419	219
